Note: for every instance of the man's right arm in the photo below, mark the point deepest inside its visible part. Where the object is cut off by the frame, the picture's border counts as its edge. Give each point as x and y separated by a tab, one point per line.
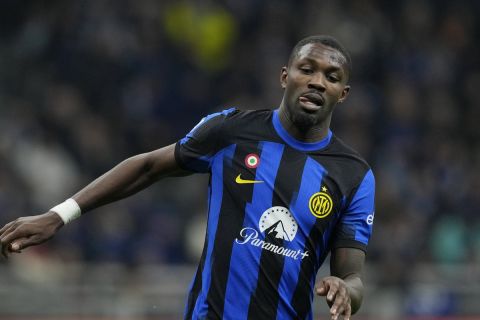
128	177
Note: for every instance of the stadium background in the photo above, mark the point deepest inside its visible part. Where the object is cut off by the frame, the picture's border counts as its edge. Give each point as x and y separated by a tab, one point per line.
85	84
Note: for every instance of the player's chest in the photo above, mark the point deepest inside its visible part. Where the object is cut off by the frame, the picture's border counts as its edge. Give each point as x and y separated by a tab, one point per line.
268	175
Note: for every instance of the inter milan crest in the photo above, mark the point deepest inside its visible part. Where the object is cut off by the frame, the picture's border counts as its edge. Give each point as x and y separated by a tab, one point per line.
252	160
321	204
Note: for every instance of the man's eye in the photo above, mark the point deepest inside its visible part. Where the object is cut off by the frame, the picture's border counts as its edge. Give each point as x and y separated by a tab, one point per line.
333	78
306	70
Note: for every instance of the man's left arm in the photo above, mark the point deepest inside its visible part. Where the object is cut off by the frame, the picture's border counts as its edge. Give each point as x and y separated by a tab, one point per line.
344	288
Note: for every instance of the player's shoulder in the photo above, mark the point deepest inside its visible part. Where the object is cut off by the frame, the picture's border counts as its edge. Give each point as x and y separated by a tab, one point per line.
232	124
236	114
252	124
347	163
341	149
235	118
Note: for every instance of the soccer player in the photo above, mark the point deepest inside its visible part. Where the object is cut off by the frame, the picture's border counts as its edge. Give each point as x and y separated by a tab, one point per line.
284	192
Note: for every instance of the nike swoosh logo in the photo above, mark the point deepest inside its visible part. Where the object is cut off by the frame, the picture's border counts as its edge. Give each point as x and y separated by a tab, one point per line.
239	180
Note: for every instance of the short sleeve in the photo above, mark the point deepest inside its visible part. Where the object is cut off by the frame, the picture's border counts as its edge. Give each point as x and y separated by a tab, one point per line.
355	226
194	152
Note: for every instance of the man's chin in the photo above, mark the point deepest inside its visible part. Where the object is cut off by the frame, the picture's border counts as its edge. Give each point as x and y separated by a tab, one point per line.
304	120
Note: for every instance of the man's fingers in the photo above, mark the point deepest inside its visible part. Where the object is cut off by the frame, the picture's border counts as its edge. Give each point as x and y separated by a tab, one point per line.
10	235
341	304
13	234
332	292
338	307
347	312
22	243
19	244
5	227
322	289
15	246
337	311
337	297
27	231
6	230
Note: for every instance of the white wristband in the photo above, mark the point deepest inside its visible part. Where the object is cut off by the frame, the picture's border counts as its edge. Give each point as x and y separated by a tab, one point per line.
68	210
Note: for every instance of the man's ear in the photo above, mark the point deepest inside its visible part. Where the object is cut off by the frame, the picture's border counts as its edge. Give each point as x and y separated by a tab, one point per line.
344	95
283	77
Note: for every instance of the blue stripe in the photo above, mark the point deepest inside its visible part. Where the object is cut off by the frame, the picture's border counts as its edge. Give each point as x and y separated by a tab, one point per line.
297	144
245	260
311	181
215	201
362	205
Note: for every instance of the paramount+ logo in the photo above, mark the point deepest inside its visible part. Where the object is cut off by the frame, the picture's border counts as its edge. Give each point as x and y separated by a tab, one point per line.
277	222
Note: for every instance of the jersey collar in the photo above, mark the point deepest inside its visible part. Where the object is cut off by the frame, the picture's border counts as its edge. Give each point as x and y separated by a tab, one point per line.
297	144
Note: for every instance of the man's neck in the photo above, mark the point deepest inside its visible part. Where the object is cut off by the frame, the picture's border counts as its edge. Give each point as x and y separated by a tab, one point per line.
306	134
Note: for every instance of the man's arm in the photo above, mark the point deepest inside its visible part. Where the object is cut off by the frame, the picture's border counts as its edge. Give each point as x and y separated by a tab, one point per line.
344	288
128	177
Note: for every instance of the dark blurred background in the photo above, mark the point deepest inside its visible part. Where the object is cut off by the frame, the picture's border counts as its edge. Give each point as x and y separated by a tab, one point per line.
86	84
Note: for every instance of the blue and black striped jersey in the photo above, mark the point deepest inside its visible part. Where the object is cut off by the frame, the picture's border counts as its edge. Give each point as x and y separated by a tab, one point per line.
277	206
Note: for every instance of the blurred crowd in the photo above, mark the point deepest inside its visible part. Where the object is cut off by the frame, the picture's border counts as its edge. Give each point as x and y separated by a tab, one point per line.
85	84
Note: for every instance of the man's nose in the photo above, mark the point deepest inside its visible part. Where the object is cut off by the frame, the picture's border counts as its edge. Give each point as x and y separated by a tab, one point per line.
317	82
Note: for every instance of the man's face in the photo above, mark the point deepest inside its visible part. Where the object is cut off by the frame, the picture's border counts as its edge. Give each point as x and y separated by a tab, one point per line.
314	82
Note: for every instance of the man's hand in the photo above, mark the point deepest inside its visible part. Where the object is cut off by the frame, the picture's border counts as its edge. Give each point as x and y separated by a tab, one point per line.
28	231
338	296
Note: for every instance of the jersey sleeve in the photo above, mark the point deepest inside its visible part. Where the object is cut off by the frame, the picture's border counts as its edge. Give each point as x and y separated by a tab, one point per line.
195	151
355	226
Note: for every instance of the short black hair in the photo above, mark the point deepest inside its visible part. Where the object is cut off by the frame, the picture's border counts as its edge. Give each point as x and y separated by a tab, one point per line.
327	41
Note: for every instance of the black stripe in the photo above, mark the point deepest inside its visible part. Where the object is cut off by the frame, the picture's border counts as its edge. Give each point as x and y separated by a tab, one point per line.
230	222
300	300
264	301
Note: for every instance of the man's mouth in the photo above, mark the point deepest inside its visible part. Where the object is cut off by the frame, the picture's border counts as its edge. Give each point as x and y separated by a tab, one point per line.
311	101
